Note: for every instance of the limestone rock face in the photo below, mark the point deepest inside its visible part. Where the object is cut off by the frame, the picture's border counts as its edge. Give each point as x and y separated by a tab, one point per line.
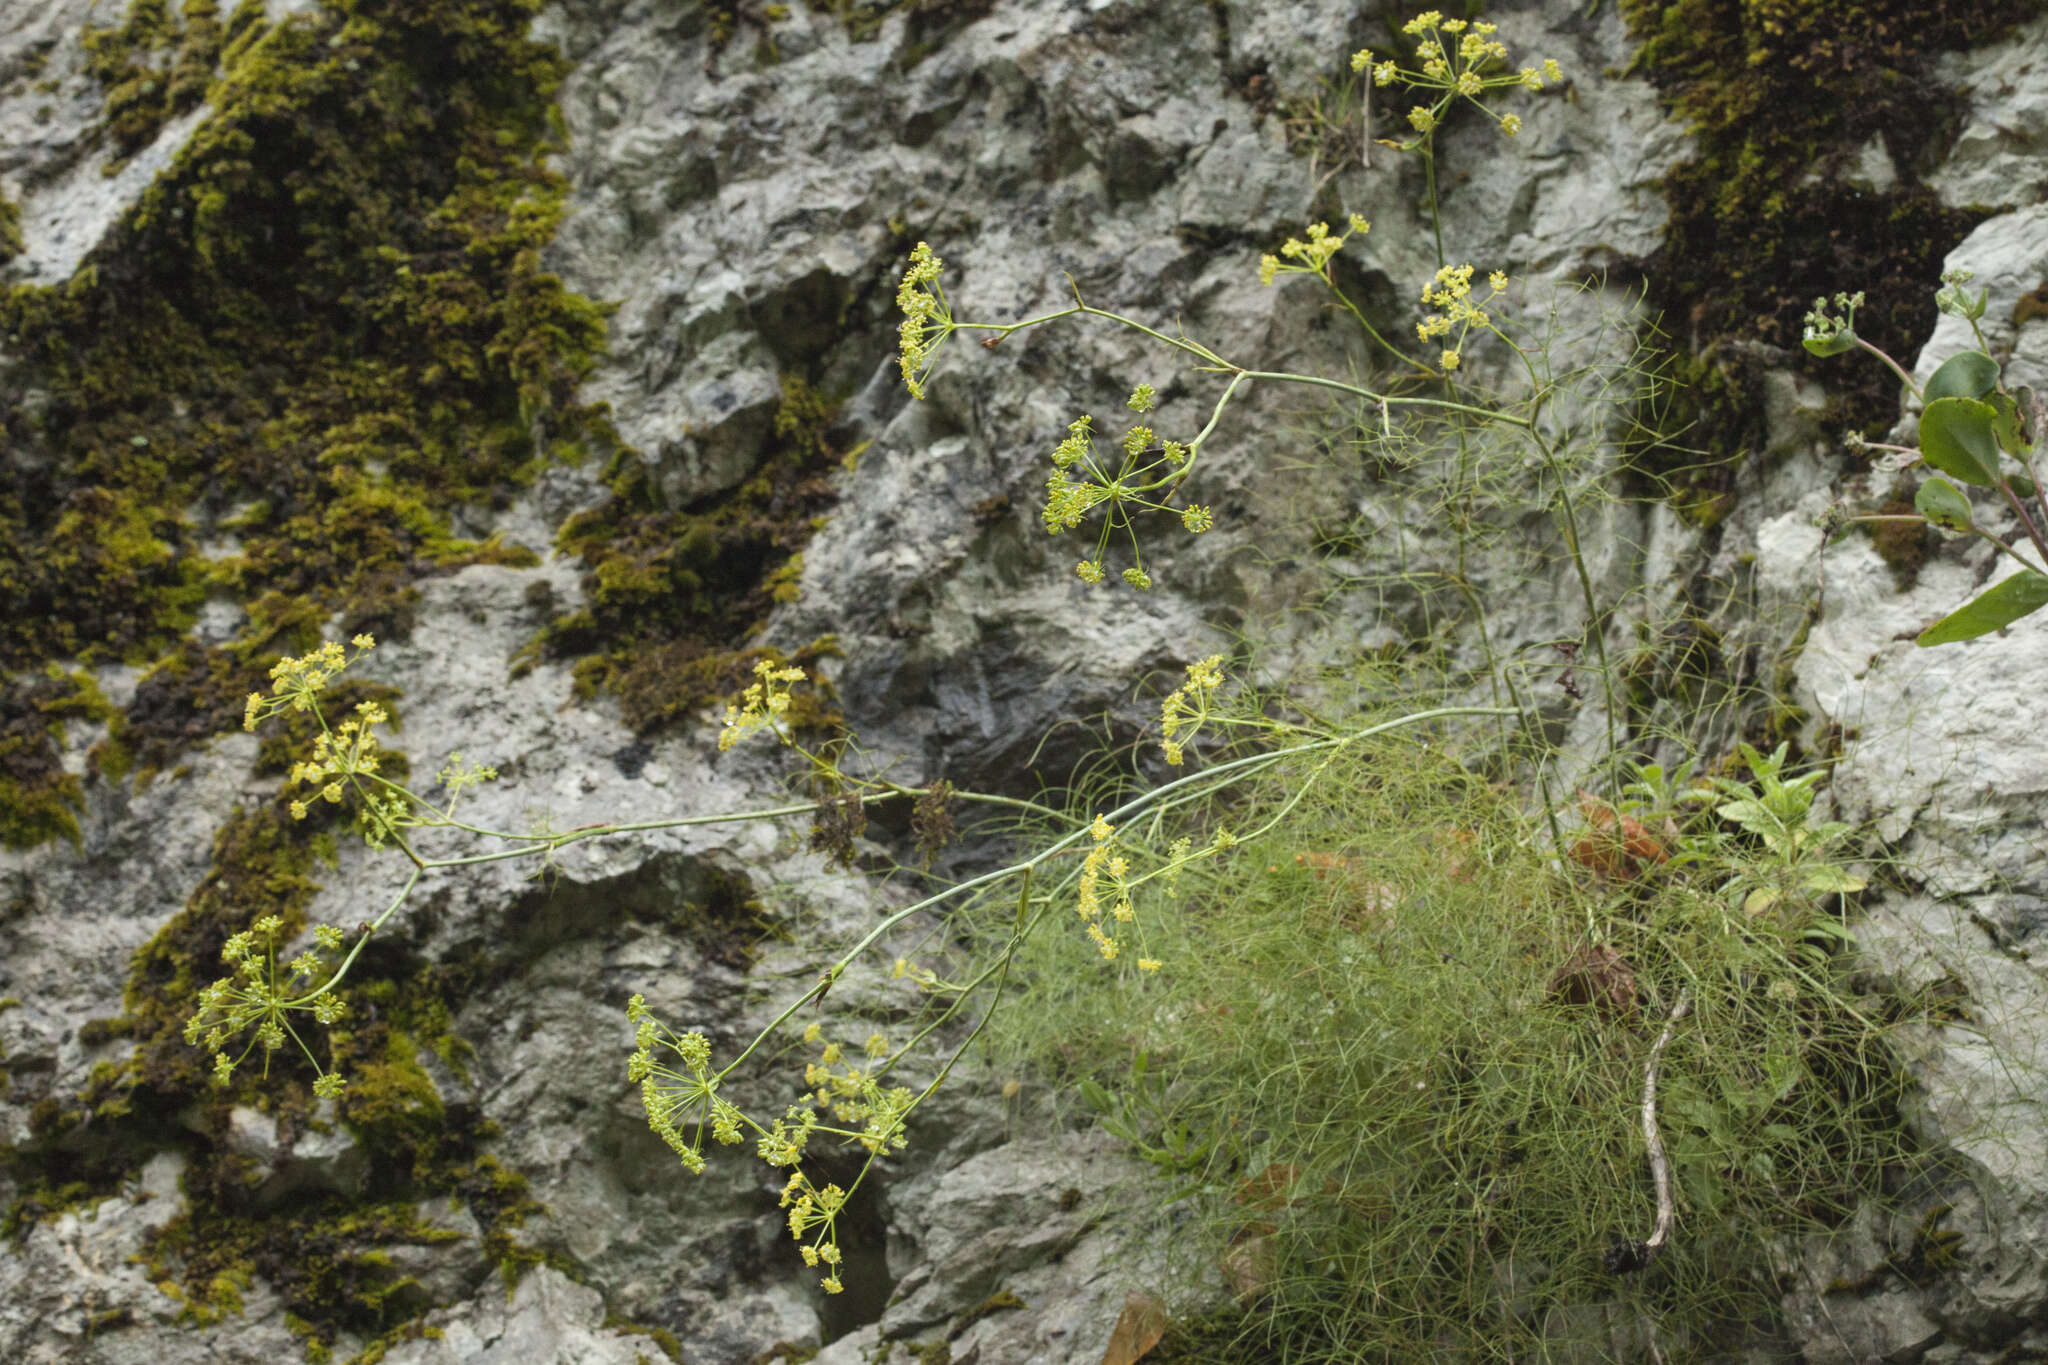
745	182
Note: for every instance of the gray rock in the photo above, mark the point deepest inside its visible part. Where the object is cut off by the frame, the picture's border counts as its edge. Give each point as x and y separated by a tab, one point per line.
2000	158
748	209
548	1318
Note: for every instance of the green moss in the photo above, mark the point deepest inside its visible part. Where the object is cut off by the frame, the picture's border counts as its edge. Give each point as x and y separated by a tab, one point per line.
10	229
320	330
661	1336
864	18
1903	546
788	1353
1773	89
1003	1300
155	67
670	590
327	1257
39	800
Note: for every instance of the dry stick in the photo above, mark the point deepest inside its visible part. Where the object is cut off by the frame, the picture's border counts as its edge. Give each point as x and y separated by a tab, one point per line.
1660	1165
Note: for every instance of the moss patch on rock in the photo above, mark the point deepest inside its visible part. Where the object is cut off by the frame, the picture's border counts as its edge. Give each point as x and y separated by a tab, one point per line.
1781	96
672	592
321	330
156	65
39	799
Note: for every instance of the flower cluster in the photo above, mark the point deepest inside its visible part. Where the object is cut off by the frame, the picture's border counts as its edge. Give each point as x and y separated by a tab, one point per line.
258	998
669	1095
1187	706
1314	254
1105	869
1451	291
927	321
1458	58
761	705
682	1102
1823	325
1955	300
810	1207
924	977
1146	465
297	683
339	754
854	1094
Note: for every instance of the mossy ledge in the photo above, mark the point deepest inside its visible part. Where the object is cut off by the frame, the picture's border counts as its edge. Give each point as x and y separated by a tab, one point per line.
39	799
1780	96
319	332
672	592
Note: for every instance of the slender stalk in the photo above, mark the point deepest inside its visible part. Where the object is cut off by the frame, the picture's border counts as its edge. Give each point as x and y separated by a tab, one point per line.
1893	365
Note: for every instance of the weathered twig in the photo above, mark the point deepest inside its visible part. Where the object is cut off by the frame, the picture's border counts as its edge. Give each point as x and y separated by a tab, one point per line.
1625	1255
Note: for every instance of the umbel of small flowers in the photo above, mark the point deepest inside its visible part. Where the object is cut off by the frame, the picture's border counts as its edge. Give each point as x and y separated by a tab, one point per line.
1144	467
682	1102
298	683
1458	59
1187	706
260	998
762	705
1311	257
927	319
346	757
1451	291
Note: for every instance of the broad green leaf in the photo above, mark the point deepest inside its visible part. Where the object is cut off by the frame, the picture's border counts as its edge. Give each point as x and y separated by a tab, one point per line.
1760	900
1966	374
1832	880
2005	424
1942	503
2022	486
1834	345
1999	605
1956	438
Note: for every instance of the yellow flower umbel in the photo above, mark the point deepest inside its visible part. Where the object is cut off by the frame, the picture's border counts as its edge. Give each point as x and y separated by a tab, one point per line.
1081	482
674	1098
260	998
1105	880
298	683
927	319
1312	256
1451	291
1187	706
1460	60
762	705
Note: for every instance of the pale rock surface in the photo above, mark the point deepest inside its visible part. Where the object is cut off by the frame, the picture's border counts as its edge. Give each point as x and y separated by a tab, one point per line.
2000	158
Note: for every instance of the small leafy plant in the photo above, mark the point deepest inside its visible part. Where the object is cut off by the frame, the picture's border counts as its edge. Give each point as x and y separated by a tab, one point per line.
1974	433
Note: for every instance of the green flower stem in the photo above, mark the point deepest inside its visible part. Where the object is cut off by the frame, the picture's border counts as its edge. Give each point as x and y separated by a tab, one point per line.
1371	331
342	970
1904	378
2019	510
1389	400
1595	619
1913	519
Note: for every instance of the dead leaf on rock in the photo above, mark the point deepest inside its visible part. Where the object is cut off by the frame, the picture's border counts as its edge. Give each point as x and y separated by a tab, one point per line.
1138	1329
